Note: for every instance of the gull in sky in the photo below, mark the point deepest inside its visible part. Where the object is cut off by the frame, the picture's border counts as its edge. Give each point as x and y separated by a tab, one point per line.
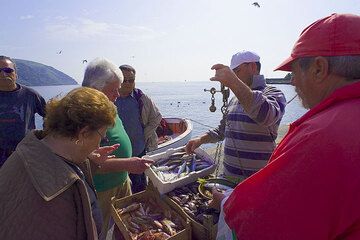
256	4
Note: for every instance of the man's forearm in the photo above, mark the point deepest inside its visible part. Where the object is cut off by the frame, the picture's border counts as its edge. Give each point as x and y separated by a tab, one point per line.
206	138
114	165
243	93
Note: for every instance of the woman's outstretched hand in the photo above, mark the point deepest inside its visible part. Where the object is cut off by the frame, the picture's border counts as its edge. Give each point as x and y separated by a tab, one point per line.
100	155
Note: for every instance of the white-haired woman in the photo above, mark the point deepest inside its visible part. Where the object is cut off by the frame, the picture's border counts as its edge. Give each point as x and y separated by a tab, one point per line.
111	178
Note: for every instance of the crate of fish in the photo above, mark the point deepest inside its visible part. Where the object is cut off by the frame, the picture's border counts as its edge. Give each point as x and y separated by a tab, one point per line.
174	168
144	215
192	202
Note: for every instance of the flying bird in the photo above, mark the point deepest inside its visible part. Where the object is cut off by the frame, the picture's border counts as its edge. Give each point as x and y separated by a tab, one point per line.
84	61
256	4
59	52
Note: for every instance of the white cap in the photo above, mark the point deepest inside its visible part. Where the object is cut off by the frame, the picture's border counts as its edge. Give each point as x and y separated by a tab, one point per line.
243	57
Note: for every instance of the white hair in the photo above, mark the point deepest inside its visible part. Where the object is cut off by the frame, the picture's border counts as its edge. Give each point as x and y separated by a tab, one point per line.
100	72
344	66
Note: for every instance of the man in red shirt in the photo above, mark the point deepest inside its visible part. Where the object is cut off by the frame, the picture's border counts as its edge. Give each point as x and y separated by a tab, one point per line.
310	189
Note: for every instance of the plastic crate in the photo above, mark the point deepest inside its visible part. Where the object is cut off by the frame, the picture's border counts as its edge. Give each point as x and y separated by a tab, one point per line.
165	187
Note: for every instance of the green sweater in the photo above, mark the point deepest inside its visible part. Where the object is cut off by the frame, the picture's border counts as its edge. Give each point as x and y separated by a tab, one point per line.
117	134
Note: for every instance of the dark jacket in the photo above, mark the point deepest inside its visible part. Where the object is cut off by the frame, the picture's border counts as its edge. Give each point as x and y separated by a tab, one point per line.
41	197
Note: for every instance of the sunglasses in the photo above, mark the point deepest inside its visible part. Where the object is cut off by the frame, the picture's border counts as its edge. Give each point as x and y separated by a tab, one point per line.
129	80
7	70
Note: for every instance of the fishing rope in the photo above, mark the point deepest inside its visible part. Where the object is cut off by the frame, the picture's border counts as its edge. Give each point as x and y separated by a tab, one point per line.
291	99
201	123
218	149
217	157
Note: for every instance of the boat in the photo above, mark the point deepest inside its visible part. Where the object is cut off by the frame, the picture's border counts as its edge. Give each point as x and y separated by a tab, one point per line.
179	132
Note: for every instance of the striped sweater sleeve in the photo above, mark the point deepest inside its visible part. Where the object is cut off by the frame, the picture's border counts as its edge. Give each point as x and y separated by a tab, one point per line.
268	106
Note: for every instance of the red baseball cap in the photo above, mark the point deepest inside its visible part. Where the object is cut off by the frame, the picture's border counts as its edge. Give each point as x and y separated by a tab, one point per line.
335	35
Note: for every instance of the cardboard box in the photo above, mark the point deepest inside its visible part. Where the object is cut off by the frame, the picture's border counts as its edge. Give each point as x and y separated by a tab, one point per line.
165	187
184	234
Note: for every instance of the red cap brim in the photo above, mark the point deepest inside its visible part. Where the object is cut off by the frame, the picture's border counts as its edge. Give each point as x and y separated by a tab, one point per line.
285	65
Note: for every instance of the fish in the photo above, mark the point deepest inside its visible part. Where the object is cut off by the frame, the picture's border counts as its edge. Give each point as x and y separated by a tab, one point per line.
164	168
182	168
185	199
158	224
193	163
167	228
187	157
177	155
161	161
201	166
175	162
141	209
176	199
187	170
130	208
217	186
161	176
134	225
161	236
140	220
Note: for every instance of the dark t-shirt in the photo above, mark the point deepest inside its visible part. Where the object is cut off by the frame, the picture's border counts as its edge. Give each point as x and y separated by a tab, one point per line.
17	117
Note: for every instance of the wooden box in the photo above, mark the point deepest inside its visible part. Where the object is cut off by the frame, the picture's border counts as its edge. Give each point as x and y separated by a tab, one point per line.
199	231
143	196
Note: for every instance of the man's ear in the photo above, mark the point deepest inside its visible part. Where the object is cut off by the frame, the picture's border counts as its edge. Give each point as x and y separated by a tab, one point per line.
320	69
253	68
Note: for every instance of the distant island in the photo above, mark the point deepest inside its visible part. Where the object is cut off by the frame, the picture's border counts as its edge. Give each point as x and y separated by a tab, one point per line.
284	80
36	74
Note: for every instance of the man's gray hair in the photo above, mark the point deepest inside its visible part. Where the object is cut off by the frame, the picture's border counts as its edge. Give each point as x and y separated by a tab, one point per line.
344	66
100	72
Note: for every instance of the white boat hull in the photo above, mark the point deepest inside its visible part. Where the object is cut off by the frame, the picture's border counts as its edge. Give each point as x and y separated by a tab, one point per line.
182	131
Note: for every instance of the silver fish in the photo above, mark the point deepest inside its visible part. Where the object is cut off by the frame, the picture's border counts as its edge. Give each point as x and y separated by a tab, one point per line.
182	168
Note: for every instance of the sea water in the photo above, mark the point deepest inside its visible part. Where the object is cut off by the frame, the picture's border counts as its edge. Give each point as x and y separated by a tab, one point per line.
186	100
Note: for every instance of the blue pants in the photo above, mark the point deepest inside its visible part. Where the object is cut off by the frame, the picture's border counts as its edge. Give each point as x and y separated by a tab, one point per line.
138	181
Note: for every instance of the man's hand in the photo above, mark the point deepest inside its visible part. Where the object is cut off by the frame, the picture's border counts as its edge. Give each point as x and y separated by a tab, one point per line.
224	75
217	198
192	145
227	77
138	165
100	155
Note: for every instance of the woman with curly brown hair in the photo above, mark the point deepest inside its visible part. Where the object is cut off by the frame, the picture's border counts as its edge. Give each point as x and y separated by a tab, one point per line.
46	189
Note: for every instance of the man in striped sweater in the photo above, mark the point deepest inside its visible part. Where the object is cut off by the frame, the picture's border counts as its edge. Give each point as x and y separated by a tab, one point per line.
250	127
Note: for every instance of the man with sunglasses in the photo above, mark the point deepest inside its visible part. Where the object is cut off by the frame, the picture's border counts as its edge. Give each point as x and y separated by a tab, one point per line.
18	105
251	125
140	117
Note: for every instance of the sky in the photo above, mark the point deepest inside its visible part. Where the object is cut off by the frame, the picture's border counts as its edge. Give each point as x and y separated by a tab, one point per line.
165	40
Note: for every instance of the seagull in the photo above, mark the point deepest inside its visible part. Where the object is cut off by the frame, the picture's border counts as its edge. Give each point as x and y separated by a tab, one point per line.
256	4
59	52
84	61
